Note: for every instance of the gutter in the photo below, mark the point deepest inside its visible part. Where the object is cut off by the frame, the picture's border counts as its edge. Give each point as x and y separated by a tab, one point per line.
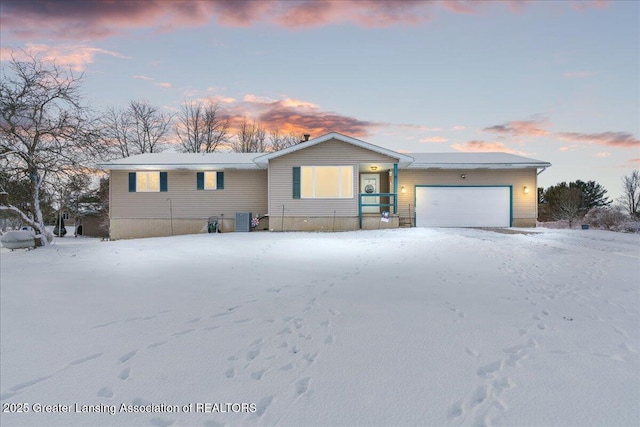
543	169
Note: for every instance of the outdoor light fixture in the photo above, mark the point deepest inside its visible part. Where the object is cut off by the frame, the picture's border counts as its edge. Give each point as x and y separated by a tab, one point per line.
463	176
374	168
403	189
525	189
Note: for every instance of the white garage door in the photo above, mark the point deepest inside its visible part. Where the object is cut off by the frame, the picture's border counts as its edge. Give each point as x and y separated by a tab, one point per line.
463	206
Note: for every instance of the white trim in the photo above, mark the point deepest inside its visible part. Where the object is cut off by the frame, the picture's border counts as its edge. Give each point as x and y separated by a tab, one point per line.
477	165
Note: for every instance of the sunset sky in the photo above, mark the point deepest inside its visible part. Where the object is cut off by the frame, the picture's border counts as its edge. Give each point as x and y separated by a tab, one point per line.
556	81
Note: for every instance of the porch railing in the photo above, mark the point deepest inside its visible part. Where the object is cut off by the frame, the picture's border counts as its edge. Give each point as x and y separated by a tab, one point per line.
391	196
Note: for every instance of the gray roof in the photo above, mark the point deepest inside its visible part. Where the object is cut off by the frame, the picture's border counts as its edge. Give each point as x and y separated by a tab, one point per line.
207	161
483	160
185	161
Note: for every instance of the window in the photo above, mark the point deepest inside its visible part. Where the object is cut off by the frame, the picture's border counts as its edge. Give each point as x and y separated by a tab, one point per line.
147	182
210	180
324	182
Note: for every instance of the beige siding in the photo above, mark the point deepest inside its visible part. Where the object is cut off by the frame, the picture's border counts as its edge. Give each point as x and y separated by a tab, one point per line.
329	153
524	205
244	191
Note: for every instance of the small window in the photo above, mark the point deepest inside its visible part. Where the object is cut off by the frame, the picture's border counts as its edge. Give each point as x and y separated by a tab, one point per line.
147	182
210	180
326	182
213	180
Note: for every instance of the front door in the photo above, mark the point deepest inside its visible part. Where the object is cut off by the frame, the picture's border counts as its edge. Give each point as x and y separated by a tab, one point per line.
370	184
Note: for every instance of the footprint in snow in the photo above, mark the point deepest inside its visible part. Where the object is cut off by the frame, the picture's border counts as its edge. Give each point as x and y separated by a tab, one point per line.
156	344
302	386
263	404
105	392
105	324
230	373
186	331
85	359
127	356
329	340
124	374
471	352
481	394
257	375
252	354
489	370
29	383
456	410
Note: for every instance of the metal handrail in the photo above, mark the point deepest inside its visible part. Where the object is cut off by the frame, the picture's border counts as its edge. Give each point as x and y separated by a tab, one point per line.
360	204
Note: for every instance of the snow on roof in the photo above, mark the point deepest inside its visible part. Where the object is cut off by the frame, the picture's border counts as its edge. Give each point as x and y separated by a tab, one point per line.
488	160
207	161
190	161
402	158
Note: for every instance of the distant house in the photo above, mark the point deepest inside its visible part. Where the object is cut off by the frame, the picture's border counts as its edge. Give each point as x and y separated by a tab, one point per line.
90	220
333	182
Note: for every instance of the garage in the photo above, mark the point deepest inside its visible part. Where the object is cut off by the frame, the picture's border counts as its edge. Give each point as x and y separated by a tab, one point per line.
467	206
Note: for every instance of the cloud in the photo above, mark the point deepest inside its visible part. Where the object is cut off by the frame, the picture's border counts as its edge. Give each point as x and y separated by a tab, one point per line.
578	74
458	127
534	127
291	115
434	139
77	57
481	146
143	78
86	20
569	147
165	85
602	154
612	139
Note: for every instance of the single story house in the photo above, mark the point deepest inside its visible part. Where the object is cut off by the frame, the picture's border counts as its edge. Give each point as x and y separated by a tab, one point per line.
333	182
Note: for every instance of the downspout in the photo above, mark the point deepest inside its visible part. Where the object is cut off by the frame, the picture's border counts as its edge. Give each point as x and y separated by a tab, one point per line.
538	173
395	188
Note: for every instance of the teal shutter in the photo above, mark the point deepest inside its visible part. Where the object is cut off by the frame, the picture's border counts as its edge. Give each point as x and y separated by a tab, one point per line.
132	182
200	180
220	180
296	182
163	181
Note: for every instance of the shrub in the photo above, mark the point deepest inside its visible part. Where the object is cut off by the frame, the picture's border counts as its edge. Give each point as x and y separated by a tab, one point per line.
605	217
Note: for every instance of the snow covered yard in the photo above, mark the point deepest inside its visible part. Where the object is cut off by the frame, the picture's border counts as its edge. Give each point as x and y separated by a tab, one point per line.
393	327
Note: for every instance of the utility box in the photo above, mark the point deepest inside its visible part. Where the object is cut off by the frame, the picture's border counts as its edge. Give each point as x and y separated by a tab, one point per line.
243	221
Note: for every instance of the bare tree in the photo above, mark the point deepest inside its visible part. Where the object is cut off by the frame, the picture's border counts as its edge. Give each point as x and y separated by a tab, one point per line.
116	129
149	126
251	137
279	141
630	197
200	127
46	133
568	205
140	128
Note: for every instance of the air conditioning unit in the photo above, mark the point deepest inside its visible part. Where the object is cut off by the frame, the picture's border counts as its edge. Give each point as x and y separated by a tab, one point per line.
243	221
